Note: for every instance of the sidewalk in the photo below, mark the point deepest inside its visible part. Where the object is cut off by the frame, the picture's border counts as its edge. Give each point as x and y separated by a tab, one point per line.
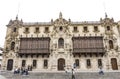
2	77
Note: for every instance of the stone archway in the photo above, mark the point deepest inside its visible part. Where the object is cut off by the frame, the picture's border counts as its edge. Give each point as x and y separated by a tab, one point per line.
10	64
61	64
114	64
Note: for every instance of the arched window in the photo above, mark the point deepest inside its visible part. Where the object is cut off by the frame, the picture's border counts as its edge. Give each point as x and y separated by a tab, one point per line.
12	45
110	44
61	43
14	29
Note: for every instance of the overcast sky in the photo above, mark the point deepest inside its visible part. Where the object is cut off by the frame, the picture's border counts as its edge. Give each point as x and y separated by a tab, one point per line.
45	10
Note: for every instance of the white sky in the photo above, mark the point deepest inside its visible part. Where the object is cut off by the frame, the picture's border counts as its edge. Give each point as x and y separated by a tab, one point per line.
45	10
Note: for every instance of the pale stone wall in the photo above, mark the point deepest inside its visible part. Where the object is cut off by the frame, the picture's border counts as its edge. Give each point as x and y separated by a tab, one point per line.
64	53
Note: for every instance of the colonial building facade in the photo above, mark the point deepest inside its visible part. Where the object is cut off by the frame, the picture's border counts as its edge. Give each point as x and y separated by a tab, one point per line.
60	43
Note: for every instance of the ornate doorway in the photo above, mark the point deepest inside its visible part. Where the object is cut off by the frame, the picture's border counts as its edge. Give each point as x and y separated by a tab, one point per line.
10	64
114	63
61	64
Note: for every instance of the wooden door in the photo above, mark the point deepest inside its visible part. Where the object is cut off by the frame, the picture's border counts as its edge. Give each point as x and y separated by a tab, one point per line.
61	64
10	64
114	64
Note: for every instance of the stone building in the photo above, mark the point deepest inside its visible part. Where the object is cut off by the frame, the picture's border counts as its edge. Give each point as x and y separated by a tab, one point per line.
0	59
51	46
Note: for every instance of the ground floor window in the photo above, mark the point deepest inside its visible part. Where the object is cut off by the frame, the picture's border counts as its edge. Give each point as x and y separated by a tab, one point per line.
88	62
99	63
45	63
34	63
77	62
23	63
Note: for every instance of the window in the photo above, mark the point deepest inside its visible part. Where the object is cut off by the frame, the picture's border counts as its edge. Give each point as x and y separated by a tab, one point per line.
110	44
95	28
14	29
46	29
61	43
37	30
99	63
85	29
12	45
88	63
45	63
77	62
75	29
61	28
108	28
26	30
23	63
34	63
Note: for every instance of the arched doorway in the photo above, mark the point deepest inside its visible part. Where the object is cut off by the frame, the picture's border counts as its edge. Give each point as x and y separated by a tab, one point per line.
61	64
10	64
114	64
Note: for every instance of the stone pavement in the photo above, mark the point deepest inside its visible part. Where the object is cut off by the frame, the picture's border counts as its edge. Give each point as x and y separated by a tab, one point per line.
61	75
2	77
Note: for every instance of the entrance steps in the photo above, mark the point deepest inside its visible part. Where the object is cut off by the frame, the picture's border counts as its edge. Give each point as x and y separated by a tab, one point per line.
62	75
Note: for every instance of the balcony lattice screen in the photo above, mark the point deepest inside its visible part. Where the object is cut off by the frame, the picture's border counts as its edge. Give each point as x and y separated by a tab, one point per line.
34	45
90	44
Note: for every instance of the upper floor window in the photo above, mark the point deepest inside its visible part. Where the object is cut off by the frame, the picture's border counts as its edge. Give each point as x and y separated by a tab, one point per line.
37	30
88	63
61	43
75	29
61	28
14	29
85	29
46	29
12	45
95	28
26	30
110	44
45	63
108	28
99	63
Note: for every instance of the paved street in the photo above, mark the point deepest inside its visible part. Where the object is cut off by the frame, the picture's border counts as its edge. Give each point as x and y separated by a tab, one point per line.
2	77
60	75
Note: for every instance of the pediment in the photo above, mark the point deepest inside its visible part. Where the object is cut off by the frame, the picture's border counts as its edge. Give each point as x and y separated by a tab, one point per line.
60	21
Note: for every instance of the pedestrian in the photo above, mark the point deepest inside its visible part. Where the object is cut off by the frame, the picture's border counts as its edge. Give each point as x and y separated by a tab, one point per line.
101	71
